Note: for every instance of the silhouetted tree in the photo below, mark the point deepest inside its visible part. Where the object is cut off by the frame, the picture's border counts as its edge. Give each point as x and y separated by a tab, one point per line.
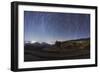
58	44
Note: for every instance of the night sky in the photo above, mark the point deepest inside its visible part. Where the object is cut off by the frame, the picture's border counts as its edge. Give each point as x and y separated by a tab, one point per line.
49	26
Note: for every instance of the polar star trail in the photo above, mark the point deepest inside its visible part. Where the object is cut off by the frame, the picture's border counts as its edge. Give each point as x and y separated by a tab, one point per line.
52	26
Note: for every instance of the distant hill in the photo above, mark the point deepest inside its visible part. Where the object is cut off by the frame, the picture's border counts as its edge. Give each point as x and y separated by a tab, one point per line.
81	39
83	43
62	44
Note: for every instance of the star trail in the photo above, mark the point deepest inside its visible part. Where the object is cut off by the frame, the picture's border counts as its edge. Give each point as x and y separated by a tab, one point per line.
51	26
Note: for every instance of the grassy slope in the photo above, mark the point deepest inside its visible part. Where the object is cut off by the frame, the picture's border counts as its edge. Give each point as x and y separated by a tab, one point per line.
73	49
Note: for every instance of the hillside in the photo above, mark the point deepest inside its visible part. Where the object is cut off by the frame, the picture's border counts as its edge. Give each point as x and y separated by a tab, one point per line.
72	49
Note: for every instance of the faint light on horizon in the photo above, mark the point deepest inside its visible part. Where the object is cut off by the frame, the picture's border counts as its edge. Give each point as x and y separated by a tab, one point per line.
32	42
48	42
